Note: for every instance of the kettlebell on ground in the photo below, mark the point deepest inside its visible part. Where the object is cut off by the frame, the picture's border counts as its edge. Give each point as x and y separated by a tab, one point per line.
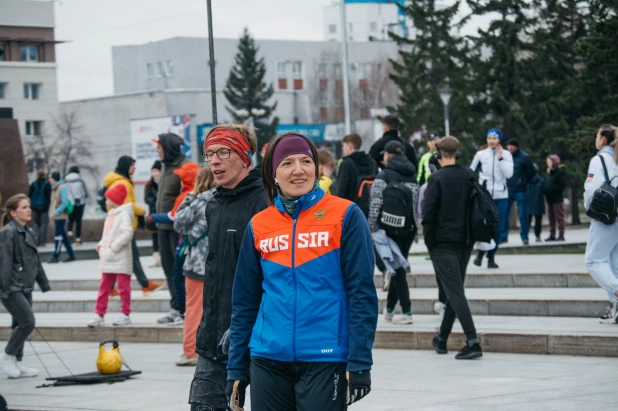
109	362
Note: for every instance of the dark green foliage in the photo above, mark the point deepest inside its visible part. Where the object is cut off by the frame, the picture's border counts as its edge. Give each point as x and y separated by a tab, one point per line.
246	90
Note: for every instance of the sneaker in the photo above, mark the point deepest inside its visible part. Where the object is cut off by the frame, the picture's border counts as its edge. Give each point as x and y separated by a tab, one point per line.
492	264
526	242
26	372
439	345
404	319
78	242
122	320
151	287
8	364
178	320
387	280
469	353
186	362
439	309
505	241
156	260
561	238
69	259
538	240
97	321
169	317
70	235
53	260
114	292
550	238
611	316
388	316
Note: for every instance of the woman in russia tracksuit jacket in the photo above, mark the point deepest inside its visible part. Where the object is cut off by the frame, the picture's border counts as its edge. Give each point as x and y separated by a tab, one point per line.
602	248
496	166
304	305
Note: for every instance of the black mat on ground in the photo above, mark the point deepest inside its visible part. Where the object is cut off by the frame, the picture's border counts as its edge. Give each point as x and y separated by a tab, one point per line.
90	378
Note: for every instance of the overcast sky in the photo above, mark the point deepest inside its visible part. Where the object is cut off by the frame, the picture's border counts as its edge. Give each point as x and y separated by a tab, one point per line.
91	27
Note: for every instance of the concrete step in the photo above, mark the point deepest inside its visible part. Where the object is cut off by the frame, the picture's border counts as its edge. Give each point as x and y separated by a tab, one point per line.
552	302
533	335
88	250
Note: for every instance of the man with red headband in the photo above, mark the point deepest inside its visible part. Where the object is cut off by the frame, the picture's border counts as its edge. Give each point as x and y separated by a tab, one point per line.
228	149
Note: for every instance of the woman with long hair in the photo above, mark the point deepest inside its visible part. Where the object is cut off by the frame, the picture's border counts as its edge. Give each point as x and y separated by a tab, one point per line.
304	303
20	268
190	221
602	248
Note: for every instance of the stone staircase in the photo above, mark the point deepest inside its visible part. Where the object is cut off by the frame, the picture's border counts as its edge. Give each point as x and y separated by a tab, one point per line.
542	304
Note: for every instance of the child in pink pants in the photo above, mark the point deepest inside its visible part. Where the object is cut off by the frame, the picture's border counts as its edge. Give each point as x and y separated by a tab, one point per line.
116	256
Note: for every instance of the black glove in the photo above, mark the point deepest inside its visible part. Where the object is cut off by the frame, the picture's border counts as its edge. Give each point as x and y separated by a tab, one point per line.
224	344
359	385
141	222
235	394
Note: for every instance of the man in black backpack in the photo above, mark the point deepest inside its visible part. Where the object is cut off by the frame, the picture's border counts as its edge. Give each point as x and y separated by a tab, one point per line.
445	229
356	173
394	198
390	128
40	198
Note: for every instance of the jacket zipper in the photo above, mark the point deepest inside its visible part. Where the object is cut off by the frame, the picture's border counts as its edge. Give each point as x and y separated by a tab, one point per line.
294	278
340	323
216	344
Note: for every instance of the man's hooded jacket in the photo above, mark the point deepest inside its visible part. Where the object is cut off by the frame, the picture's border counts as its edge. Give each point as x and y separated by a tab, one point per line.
169	183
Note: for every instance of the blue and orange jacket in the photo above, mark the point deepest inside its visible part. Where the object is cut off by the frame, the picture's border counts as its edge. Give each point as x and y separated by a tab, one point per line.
303	289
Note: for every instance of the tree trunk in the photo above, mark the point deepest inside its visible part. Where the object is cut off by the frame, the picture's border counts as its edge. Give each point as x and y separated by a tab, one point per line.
575	197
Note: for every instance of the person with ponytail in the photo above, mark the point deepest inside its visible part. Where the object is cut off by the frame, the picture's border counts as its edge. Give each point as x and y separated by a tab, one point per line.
20	268
304	304
602	248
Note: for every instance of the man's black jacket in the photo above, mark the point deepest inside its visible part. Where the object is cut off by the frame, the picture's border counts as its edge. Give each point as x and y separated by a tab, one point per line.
227	214
353	166
445	207
391	135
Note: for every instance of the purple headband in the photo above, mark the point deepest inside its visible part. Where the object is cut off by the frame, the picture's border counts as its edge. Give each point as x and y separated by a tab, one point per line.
290	145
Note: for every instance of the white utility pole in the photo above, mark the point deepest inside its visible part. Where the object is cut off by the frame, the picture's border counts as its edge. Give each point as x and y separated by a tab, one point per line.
345	68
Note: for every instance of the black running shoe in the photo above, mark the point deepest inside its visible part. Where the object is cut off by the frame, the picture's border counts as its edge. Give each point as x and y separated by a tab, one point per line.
492	264
439	345
469	353
69	259
53	260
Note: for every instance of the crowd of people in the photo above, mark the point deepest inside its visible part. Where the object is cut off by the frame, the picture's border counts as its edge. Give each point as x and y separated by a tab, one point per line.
270	270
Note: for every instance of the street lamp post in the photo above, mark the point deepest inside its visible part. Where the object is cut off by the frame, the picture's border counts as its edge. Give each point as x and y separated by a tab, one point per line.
445	96
211	63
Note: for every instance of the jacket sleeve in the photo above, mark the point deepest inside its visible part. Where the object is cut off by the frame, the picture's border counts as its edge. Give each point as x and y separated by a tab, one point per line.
183	220
137	210
344	181
41	278
125	234
374	152
476	161
246	300
6	261
85	189
411	154
506	165
375	204
64	201
530	172
431	207
357	264
161	218
596	178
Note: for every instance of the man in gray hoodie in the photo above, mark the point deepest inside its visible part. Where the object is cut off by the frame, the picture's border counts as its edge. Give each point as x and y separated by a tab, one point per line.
78	194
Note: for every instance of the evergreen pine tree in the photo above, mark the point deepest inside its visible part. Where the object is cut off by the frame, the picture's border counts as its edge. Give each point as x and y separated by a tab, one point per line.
247	93
427	62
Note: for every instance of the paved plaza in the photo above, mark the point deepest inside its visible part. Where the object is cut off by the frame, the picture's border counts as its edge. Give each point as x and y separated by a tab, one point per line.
402	380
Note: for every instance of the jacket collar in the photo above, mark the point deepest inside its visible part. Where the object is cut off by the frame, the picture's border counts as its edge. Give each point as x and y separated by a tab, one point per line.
607	150
304	203
250	182
17	226
391	135
21	229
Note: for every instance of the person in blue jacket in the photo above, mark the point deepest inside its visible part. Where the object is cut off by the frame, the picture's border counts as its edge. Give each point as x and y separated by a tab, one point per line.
304	304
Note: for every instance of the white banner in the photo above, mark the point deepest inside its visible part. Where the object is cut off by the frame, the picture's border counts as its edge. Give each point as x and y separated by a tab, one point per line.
144	150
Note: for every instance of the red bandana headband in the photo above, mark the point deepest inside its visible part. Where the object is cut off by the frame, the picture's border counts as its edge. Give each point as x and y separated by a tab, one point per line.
231	139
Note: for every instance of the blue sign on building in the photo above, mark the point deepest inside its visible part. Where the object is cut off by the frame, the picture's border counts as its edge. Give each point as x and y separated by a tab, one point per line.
202	132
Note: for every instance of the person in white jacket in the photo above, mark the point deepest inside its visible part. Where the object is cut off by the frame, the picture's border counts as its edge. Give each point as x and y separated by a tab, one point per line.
496	166
116	256
602	248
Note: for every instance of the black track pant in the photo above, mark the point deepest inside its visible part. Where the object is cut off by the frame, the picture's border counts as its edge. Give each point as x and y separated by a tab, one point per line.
168	240
301	386
19	305
398	290
450	265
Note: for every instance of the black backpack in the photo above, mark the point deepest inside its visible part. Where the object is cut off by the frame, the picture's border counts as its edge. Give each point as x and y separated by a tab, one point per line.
362	189
39	200
483	215
604	205
397	215
100	198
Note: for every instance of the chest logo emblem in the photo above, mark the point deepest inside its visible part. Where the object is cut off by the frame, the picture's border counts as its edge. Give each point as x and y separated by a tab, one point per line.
319	214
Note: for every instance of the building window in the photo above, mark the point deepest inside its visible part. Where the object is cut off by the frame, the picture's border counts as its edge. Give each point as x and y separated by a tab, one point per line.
150	70
2	90
169	67
29	53
160	71
373	26
338	70
282	75
297	73
33	128
332	28
31	91
323	114
2	51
